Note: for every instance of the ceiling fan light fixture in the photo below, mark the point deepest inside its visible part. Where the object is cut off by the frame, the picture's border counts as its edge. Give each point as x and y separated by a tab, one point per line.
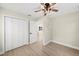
47	8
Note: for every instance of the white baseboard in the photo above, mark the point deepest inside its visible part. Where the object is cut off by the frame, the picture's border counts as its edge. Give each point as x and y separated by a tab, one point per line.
45	43
74	47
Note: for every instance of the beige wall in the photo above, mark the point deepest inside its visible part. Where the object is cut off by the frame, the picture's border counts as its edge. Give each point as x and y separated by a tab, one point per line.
65	29
10	14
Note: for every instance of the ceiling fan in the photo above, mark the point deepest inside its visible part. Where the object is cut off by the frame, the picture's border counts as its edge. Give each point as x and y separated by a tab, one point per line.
47	7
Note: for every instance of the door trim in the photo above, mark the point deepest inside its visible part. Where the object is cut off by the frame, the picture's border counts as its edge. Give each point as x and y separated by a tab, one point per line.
28	32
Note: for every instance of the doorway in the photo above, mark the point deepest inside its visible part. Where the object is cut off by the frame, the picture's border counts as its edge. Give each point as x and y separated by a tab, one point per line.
32	32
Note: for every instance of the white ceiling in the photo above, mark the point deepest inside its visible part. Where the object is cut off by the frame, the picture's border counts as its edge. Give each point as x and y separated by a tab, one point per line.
29	8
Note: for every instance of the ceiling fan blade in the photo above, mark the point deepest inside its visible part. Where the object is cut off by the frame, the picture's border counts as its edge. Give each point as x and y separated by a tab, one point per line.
42	4
53	4
37	11
55	10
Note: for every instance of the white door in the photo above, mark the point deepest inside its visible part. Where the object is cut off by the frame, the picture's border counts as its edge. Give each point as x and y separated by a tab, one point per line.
33	32
16	33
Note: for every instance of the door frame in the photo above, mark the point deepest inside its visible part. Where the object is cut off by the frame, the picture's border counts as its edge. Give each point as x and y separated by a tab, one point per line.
28	32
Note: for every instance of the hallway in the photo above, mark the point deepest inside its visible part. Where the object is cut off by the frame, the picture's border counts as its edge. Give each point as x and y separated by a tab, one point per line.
36	49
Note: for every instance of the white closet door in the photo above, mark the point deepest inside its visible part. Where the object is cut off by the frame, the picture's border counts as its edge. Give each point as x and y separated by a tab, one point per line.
16	33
